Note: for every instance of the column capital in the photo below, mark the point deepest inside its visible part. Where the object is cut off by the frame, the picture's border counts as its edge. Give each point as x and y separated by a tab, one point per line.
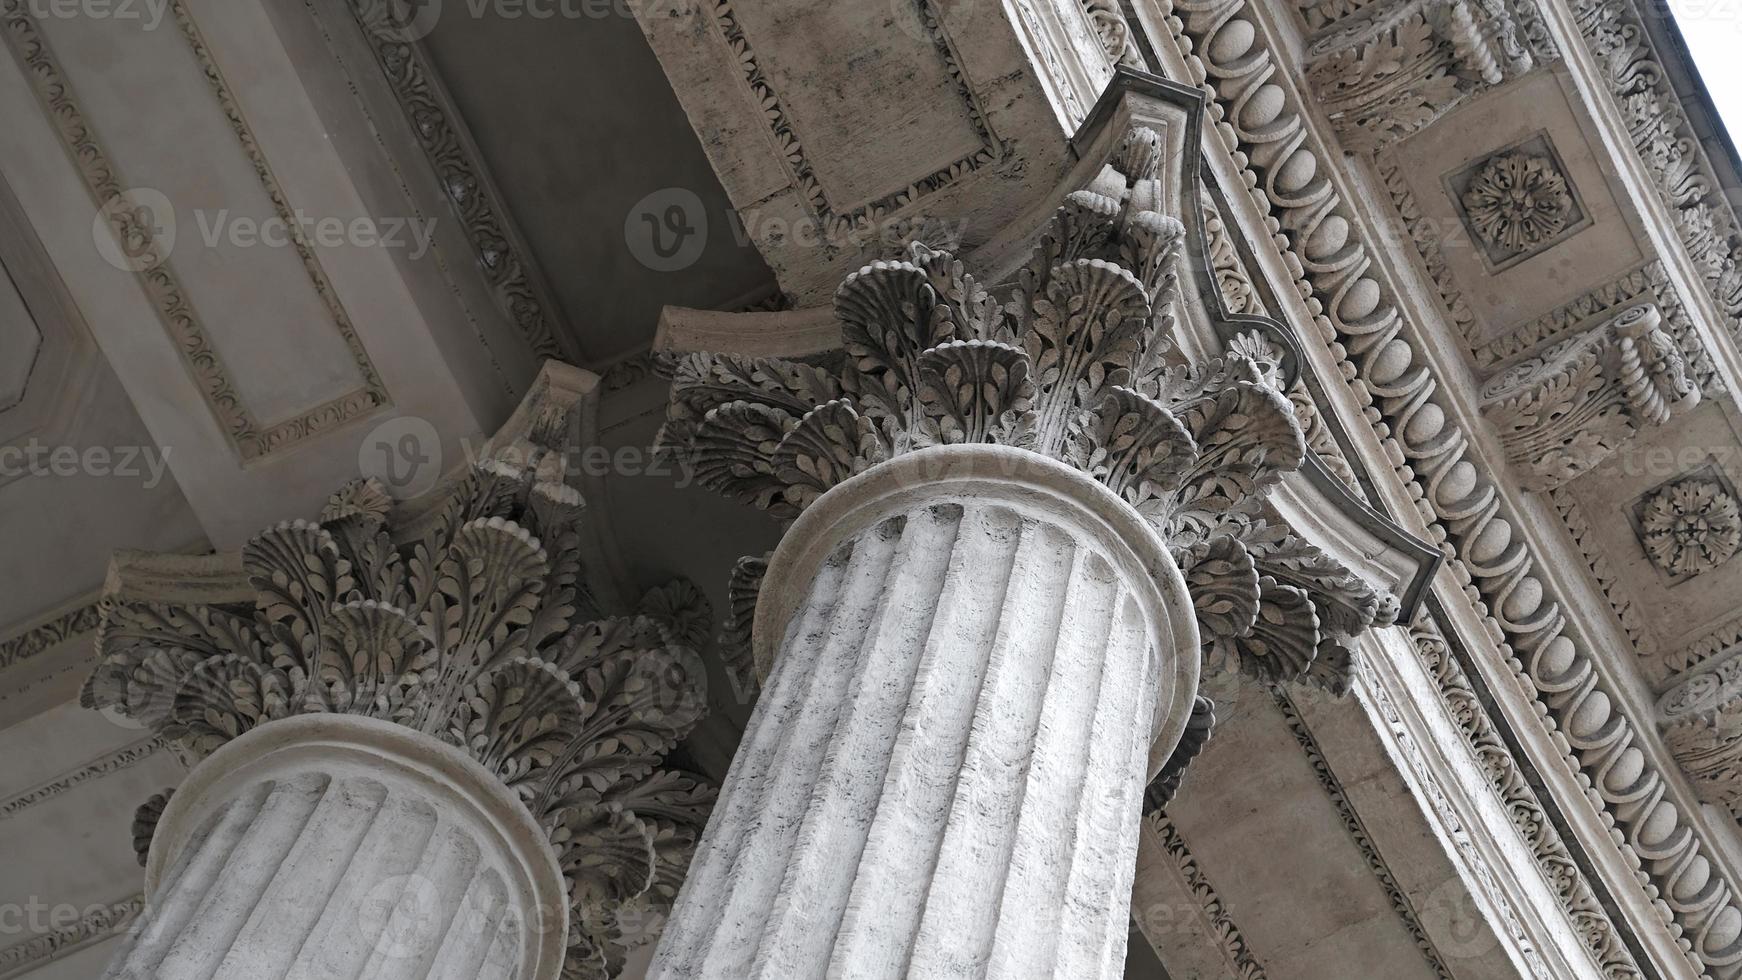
465	618
1073	356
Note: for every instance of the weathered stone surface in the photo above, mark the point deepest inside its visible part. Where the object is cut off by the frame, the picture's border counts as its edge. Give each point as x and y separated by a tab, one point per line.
329	846
943	775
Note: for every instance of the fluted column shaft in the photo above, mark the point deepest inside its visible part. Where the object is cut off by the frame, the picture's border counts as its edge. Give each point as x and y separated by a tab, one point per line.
944	774
334	848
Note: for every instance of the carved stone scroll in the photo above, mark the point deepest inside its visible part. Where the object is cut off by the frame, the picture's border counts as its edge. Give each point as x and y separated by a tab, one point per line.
1564	410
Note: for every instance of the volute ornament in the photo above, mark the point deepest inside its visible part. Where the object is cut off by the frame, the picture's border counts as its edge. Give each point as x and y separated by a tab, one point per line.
1568	407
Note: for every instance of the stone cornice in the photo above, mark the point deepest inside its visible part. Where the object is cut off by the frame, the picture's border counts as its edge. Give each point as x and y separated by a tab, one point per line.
1683	178
1395	370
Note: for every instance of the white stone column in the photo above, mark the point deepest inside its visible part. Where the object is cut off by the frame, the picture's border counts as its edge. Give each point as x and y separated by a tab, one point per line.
322	847
972	653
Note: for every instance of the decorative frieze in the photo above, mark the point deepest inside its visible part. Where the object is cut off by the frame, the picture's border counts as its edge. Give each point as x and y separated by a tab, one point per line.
1562	411
1115	33
1617	36
48	634
1516	793
104	765
514	281
99	922
457	619
1218	44
1234	946
1358	835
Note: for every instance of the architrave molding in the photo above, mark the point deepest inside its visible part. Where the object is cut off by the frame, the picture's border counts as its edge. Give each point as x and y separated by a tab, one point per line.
1242	963
46	634
104	765
1538	827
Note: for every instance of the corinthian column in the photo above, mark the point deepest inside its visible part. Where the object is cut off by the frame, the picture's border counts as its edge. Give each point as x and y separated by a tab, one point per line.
1019	514
414	758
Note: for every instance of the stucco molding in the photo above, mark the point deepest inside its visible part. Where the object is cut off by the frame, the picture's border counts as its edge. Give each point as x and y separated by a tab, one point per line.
49	633
1705	220
1233	943
1560	869
250	436
106	764
515	282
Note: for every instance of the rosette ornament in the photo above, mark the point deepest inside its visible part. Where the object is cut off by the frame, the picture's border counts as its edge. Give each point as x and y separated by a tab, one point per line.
460	622
1075	359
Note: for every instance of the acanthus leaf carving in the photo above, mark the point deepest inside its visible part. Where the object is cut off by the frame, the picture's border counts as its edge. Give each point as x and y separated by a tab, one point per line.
1562	411
462	625
1075	359
1385	70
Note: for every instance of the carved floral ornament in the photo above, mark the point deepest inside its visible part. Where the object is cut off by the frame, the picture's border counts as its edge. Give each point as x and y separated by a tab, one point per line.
1568	407
1518	201
1074	359
1702	726
462	624
1691	526
1385	69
